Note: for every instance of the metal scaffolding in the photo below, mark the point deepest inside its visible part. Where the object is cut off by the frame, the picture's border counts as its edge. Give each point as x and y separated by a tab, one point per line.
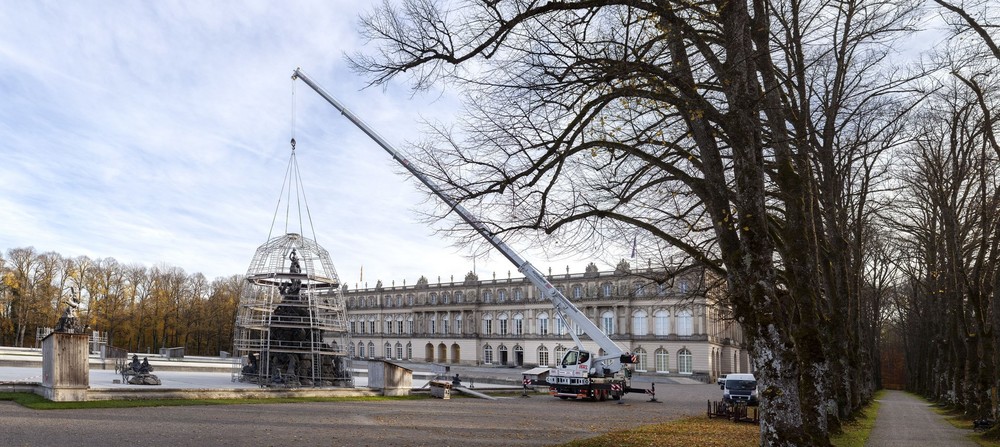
291	329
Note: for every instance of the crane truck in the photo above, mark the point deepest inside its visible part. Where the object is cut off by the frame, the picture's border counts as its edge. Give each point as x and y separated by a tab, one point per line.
580	374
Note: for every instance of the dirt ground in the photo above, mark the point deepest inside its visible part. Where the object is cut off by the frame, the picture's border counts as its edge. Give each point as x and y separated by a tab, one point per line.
516	421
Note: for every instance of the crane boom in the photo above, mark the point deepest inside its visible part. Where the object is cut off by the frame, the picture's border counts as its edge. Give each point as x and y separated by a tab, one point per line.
562	304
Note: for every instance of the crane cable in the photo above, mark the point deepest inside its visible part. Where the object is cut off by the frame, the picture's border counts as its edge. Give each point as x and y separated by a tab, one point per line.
293	181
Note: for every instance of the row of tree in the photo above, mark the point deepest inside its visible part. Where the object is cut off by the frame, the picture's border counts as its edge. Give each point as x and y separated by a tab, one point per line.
795	148
140	309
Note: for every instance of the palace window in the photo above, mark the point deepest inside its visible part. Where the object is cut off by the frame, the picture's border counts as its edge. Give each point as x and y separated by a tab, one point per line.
518	324
543	324
543	356
606	290
640	359
662	360
685	322
502	326
487	324
608	322
488	355
662	322
684	361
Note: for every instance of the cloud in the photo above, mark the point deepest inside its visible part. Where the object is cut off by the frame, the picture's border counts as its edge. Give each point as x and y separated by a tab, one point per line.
157	132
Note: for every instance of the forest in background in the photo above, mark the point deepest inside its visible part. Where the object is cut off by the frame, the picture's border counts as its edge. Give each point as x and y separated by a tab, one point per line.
140	309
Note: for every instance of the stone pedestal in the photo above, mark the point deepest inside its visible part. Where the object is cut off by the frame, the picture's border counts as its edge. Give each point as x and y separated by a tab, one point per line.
65	367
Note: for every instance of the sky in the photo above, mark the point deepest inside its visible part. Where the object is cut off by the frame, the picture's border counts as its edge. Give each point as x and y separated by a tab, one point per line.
157	133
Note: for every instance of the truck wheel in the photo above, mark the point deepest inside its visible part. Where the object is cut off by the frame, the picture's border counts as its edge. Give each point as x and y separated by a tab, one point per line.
602	395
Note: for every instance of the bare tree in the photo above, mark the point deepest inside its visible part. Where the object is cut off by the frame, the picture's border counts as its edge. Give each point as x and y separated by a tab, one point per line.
743	138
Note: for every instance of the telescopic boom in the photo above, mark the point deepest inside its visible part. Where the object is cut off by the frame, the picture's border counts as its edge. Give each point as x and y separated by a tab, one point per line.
559	301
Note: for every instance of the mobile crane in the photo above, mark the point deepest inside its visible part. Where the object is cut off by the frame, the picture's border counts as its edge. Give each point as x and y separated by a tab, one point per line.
580	373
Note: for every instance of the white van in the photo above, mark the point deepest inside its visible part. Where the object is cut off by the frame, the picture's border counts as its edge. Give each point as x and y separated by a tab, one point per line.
740	388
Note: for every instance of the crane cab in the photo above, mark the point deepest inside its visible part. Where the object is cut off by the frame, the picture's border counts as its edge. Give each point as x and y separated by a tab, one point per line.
576	359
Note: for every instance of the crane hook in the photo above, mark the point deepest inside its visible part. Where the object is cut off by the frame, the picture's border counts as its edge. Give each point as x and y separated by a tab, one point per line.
293	144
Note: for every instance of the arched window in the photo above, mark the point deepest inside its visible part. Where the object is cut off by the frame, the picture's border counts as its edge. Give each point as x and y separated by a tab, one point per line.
371	350
502	350
662	322
543	324
543	356
388	325
445	298
518	324
399	324
606	290
409	325
487	296
608	322
488	355
388	350
434	298
502	324
361	349
458	297
640	359
577	291
684	361
432	325
458	324
685	322
501	295
409	351
487	324
399	351
518	294
639	323
662	360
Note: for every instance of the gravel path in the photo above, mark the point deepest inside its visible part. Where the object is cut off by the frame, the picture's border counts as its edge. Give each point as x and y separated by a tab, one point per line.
516	421
905	420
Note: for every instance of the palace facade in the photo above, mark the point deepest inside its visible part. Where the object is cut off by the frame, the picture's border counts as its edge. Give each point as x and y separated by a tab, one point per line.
674	327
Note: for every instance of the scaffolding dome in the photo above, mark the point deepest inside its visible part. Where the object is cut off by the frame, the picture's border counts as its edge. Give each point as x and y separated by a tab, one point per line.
292	256
291	328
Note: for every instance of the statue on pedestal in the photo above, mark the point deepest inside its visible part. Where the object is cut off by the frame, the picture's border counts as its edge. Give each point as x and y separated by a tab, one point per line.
69	322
